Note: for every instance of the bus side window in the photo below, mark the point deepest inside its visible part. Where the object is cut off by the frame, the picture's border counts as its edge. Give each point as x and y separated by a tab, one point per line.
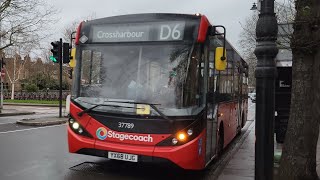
211	76
236	79
226	83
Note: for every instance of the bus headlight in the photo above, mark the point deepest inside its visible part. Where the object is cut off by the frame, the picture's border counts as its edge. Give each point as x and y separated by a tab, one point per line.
77	128
75	125
190	132
80	130
174	141
71	121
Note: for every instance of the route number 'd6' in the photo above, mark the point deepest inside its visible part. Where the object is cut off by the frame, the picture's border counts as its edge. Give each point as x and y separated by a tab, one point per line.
168	32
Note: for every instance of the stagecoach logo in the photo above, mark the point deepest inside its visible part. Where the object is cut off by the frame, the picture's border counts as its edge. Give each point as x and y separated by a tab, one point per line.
102	134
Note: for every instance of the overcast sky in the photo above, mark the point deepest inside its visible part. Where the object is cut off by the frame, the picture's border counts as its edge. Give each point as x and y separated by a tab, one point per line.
220	12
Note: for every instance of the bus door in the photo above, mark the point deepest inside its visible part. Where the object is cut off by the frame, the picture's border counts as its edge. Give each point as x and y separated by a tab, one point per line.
212	109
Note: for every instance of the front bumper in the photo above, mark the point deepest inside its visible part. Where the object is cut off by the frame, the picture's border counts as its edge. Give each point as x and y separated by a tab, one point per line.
189	156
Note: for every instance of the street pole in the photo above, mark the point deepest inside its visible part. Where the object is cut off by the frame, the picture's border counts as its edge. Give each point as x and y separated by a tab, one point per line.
60	78
2	54
2	81
266	51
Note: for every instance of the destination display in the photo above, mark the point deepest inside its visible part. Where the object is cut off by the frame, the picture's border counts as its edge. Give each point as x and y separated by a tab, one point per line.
159	31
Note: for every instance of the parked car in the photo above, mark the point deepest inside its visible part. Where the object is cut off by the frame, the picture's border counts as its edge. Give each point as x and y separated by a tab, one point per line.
252	96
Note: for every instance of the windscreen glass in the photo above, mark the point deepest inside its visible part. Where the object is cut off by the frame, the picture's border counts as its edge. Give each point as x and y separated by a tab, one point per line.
167	75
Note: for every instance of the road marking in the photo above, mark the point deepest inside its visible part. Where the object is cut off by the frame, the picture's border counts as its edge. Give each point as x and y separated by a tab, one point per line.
20	130
7	123
43	108
33	165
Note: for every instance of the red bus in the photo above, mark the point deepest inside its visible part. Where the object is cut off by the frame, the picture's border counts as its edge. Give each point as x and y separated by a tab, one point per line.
156	87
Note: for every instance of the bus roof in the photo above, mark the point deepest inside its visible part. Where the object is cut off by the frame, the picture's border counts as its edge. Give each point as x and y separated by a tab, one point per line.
143	17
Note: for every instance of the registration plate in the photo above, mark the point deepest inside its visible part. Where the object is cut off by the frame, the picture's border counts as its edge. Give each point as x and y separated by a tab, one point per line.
123	156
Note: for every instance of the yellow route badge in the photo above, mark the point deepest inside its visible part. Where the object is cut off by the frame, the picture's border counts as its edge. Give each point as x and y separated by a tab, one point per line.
143	109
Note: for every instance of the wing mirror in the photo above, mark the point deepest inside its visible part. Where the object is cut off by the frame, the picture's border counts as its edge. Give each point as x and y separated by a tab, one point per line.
220	59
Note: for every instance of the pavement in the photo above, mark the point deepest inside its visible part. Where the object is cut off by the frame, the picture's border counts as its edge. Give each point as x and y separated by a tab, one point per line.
28	104
13	112
42	121
241	164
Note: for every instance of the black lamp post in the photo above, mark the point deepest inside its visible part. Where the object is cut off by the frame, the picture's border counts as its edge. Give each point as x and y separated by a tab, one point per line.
254	7
266	51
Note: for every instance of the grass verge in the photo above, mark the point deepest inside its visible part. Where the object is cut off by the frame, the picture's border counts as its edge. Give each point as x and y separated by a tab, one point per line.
32	101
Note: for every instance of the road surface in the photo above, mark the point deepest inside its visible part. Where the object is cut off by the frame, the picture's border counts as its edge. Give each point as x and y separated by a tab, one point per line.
32	153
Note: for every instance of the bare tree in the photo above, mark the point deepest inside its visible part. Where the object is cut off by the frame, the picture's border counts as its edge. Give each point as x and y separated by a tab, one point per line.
23	25
248	44
285	12
15	66
72	27
298	159
24	22
69	29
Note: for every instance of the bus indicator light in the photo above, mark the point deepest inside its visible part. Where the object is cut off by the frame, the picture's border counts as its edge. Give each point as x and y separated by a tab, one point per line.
182	136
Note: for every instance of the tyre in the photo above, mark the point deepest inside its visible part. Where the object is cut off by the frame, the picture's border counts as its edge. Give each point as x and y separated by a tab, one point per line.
220	141
243	123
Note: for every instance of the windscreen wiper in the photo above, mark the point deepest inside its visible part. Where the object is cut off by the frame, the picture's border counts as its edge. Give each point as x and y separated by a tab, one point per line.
97	105
160	113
